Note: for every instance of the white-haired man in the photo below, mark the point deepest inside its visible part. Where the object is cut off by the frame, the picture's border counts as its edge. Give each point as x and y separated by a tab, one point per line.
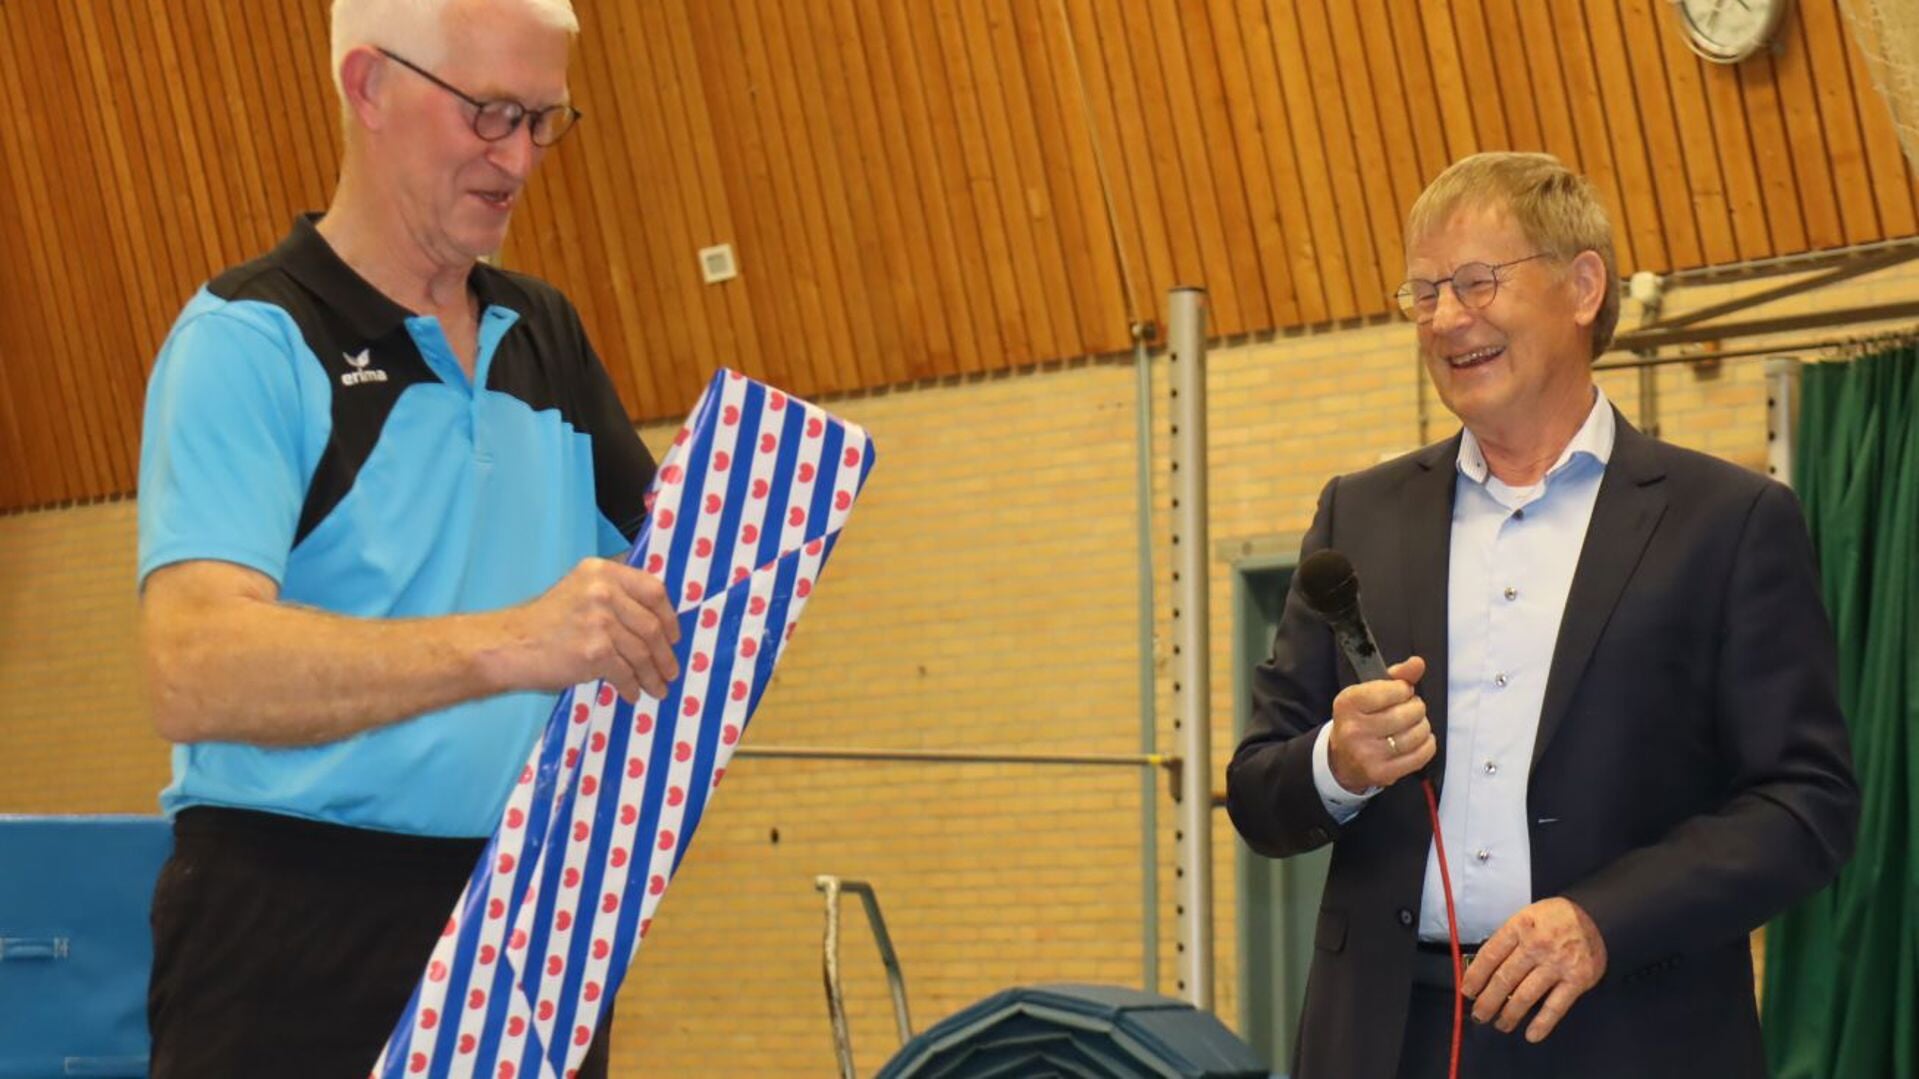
1617	663
379	481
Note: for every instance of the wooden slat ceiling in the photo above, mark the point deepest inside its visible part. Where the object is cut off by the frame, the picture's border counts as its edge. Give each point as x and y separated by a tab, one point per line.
915	189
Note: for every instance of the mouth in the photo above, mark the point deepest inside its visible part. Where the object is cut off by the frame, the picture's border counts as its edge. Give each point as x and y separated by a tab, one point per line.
500	201
1478	357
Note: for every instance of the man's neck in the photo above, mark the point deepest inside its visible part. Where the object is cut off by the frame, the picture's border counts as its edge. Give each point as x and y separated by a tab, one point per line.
371	236
1522	458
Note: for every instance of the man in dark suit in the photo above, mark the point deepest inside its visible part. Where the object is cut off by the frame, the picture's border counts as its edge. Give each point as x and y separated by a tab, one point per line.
1618	668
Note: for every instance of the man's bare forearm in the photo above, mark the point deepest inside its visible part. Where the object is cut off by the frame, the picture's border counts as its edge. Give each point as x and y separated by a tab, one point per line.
227	661
263	672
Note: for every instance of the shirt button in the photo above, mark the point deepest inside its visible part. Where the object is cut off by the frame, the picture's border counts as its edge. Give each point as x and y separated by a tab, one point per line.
1482	854
1499	680
1492	768
1511	593
1405	916
1519	515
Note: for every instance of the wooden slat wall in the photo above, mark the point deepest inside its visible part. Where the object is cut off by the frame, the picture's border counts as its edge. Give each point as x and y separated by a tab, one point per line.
915	188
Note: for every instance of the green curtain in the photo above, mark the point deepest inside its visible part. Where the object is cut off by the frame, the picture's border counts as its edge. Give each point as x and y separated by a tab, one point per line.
1842	969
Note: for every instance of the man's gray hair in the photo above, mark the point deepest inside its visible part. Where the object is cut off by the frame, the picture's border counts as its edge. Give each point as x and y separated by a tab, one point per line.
416	29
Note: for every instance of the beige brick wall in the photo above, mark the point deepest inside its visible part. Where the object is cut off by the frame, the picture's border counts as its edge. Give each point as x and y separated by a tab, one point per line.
984	596
72	716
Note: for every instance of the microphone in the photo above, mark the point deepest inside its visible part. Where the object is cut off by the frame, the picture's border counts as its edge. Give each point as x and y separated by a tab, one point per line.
1331	589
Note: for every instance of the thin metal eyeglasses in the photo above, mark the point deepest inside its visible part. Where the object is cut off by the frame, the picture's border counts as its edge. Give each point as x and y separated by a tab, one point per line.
1474	285
495	120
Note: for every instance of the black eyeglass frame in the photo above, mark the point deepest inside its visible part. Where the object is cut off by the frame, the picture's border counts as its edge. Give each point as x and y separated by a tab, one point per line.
1407	297
515	112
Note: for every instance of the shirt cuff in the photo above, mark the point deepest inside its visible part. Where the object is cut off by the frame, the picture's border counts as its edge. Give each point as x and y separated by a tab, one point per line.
1343	804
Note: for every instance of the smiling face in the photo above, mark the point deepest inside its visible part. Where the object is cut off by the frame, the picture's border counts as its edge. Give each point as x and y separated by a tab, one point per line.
455	192
1521	364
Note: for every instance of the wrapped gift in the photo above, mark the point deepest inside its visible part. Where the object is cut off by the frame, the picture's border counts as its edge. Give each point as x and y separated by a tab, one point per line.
746	509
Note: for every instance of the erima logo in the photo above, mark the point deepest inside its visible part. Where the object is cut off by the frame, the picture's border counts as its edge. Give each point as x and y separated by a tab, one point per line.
361	373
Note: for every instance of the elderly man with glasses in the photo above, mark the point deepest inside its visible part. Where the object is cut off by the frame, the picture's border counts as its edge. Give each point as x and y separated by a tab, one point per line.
1614	665
380	481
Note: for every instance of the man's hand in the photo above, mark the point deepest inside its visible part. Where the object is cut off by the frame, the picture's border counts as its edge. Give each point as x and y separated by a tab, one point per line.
1380	733
1549	951
603	620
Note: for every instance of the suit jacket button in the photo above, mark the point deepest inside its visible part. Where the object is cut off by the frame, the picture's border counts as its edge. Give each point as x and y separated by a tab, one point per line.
1405	916
1317	835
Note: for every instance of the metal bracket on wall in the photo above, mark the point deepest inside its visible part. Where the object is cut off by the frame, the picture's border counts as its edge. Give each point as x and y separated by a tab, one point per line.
1693	326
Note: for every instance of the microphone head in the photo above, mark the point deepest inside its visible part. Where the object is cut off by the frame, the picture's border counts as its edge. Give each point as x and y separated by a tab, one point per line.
1328	583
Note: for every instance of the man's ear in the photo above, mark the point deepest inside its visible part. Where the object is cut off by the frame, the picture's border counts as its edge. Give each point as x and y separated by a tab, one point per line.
362	82
1587	276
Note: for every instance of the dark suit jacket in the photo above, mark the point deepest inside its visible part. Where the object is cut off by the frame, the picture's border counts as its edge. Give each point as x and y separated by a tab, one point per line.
1691	777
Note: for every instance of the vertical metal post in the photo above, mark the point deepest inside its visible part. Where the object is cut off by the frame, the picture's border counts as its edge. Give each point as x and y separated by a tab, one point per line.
1192	696
1148	667
1782	381
1650	290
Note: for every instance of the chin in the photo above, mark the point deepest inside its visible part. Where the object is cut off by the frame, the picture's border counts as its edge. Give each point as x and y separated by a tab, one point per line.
480	243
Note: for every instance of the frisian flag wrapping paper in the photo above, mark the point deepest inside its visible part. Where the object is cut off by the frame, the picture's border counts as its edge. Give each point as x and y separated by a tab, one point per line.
745	510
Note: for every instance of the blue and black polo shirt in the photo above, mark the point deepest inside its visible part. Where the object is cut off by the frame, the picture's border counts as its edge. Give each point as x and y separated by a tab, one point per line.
302	424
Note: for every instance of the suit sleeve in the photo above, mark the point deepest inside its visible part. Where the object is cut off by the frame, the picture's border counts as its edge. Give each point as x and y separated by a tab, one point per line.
1270	794
1791	820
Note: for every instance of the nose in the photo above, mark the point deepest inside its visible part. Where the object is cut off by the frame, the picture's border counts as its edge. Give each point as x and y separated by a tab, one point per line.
1448	313
516	155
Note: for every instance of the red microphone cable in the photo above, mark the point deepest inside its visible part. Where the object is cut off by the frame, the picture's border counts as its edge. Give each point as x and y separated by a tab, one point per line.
1452	927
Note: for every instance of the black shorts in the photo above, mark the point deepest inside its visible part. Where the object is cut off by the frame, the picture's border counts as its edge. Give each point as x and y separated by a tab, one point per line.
288	948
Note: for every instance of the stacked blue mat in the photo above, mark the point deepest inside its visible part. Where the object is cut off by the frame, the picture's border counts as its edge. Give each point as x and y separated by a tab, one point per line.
74	943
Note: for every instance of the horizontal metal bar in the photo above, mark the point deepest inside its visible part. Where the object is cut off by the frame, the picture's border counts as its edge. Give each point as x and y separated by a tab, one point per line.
1633	342
958	756
1790	348
1804	262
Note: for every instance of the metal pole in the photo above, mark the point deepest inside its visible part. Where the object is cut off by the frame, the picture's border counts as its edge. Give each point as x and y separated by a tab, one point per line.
835	997
1148	687
1192	695
954	756
1782	377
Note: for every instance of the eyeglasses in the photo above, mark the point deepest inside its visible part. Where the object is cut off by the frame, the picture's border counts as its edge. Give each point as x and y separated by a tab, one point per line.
1474	285
495	120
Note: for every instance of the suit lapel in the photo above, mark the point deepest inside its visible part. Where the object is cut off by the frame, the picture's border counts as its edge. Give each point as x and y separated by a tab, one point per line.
1426	553
1630	503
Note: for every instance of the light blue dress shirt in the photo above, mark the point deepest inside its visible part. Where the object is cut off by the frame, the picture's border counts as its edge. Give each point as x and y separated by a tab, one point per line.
1514	551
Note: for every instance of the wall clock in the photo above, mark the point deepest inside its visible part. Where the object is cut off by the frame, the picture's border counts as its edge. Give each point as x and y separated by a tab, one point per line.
1728	31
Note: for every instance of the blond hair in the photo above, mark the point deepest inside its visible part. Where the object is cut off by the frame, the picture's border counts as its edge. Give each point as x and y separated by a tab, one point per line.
1557	209
416	28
